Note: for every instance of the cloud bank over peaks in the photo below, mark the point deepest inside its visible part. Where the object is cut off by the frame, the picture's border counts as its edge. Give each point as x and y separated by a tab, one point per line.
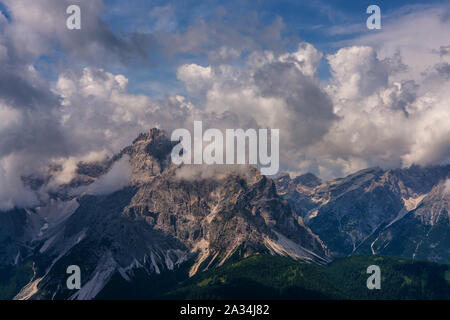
369	114
115	179
12	190
384	120
270	91
331	129
386	103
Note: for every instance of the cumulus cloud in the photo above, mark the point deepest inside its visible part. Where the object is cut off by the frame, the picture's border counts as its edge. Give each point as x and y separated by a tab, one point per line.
97	110
37	129
39	27
115	179
371	112
385	119
414	31
357	71
278	91
197	78
386	103
12	189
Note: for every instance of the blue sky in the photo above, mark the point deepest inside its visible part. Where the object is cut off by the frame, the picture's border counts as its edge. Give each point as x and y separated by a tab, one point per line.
310	21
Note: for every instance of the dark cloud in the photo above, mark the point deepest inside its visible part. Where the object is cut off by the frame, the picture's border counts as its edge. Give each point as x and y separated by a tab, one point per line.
19	92
306	102
443	51
443	69
39	27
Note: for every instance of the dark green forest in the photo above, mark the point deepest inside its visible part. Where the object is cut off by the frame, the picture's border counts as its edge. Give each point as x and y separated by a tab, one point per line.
274	277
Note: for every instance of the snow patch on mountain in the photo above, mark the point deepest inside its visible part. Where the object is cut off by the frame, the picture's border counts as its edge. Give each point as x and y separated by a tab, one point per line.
102	274
286	247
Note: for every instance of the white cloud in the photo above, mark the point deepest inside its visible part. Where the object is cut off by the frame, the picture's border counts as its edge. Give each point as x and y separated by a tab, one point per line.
279	91
9	116
224	53
386	119
386	104
306	58
196	78
39	27
115	179
376	118
357	71
371	113
97	110
12	189
415	32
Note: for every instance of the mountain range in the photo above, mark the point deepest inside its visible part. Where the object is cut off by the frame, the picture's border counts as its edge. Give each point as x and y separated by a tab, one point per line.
172	224
401	212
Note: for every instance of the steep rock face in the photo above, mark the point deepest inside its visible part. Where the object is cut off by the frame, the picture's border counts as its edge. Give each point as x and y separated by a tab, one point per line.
161	220
149	155
402	212
17	229
12	233
219	216
101	241
422	233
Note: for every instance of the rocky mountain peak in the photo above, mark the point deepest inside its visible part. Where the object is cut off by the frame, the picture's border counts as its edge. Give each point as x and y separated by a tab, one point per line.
151	135
149	154
308	180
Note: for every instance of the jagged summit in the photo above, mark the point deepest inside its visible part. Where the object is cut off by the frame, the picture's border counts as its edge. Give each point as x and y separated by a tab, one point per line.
305	181
308	179
149	154
152	134
154	144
